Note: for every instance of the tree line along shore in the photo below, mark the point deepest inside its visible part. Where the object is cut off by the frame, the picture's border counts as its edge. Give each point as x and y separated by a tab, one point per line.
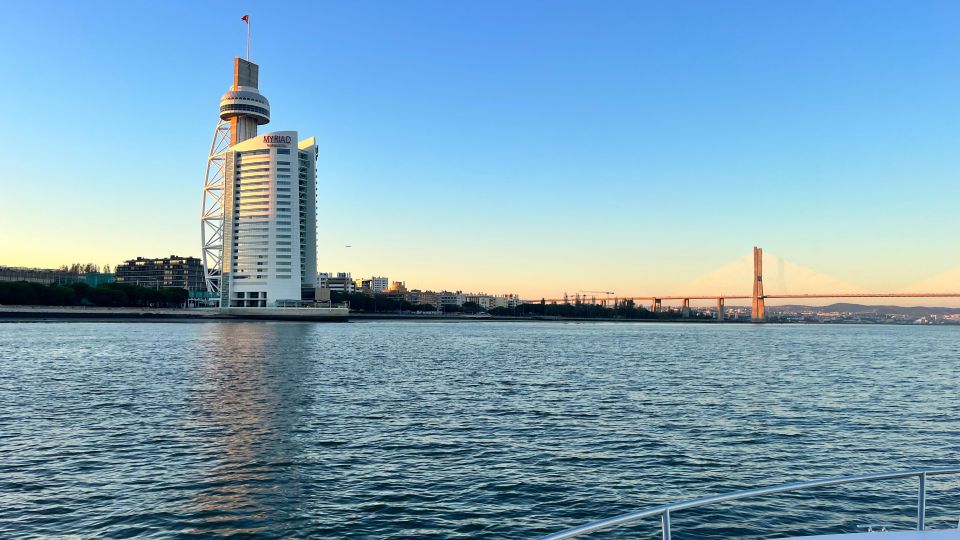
23	293
385	304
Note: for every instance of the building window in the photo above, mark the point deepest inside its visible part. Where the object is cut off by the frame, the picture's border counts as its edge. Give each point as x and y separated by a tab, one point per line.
233	107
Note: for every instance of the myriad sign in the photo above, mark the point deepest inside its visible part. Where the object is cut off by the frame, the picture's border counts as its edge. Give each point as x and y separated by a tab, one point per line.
277	140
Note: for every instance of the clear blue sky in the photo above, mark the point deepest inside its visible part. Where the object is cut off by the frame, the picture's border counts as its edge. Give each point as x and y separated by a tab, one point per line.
534	147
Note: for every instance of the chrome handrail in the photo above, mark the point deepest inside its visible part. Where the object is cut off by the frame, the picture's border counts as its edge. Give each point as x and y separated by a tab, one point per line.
664	510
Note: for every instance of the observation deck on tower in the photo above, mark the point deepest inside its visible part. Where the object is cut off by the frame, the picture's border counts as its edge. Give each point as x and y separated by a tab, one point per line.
244	106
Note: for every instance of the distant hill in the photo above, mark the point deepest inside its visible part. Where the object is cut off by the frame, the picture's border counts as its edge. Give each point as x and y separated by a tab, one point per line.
917	311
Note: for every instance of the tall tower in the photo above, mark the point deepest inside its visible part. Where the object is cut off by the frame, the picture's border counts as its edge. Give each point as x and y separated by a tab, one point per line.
259	224
242	109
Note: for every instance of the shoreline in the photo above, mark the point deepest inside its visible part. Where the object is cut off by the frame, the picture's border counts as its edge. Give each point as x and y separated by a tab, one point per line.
91	314
104	314
492	318
13	314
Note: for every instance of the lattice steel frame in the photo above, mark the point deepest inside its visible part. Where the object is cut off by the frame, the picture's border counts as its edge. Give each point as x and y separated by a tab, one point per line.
211	214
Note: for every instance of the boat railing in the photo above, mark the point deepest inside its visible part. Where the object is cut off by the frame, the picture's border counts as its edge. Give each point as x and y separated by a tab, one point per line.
665	511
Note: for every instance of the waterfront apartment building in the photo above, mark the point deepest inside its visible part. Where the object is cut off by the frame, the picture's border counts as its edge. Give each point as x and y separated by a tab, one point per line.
488	301
341	282
485	301
173	272
397	291
374	285
416	296
269	254
397	287
447	298
506	300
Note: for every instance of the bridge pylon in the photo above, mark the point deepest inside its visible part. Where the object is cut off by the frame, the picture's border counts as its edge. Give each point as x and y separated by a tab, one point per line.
758	310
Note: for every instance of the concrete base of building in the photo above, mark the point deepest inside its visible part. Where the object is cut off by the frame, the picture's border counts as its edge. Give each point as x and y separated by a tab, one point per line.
288	314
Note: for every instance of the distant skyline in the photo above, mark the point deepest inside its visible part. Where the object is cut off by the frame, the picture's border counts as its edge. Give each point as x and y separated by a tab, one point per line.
534	147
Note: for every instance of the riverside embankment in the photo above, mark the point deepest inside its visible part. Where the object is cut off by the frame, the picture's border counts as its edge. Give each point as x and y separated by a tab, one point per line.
127	314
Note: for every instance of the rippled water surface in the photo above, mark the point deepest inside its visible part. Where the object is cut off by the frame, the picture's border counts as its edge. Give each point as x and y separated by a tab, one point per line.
457	430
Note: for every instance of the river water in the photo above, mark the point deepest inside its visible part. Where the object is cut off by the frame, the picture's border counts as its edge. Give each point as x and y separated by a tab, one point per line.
466	430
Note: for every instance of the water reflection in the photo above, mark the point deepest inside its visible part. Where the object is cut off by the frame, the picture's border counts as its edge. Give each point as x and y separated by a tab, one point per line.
475	430
248	401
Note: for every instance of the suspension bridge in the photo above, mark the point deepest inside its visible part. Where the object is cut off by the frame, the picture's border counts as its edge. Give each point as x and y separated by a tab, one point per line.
757	298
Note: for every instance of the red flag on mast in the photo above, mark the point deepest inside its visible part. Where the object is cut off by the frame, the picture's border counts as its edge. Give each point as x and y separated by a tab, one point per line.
245	18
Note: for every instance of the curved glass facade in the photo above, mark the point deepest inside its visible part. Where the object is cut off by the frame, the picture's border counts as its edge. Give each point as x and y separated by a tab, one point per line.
239	107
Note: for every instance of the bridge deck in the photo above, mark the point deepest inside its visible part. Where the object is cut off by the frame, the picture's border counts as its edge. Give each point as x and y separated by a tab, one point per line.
746	297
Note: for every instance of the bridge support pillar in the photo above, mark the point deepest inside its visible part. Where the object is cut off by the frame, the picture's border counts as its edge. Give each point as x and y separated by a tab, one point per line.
655	305
686	308
719	309
758	309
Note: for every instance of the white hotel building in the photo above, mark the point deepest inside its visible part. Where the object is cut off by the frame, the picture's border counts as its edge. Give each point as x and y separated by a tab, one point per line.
269	204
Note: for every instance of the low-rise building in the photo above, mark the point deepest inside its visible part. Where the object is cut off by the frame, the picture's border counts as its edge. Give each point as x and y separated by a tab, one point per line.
95	279
489	301
447	298
416	296
173	272
341	282
486	301
374	285
398	291
44	276
506	300
50	276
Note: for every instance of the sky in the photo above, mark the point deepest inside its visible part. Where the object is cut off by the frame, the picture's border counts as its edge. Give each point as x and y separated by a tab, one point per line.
537	147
